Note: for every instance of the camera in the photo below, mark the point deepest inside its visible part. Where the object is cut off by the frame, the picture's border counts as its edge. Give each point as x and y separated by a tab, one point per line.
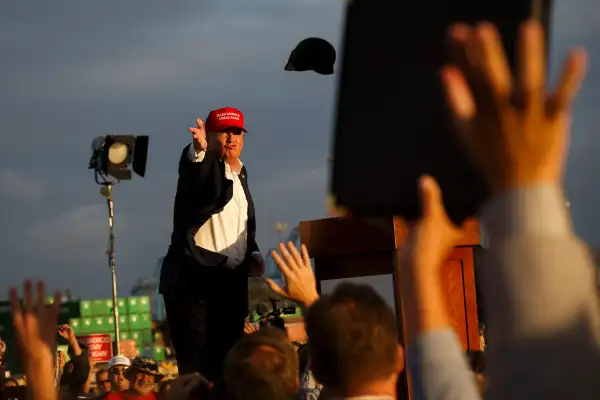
274	318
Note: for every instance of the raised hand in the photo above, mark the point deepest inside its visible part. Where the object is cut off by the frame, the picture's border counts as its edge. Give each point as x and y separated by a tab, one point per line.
35	331
515	132
66	332
300	283
35	325
432	238
199	136
250	328
420	262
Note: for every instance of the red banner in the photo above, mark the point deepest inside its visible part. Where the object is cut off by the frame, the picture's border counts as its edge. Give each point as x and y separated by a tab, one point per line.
99	346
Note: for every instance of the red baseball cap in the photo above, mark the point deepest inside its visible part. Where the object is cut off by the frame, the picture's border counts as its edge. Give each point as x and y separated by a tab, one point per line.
224	118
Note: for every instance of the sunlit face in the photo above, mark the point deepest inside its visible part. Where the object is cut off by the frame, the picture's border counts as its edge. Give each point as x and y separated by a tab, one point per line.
117	377
142	383
227	143
103	383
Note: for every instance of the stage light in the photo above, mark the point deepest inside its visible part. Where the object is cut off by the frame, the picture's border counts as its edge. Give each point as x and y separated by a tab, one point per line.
118	155
113	156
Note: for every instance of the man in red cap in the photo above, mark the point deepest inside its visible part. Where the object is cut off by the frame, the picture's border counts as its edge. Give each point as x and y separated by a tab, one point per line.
204	276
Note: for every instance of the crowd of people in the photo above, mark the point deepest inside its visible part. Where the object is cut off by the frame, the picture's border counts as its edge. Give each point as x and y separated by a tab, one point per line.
539	281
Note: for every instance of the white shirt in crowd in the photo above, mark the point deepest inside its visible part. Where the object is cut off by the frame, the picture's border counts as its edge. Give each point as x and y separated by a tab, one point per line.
227	231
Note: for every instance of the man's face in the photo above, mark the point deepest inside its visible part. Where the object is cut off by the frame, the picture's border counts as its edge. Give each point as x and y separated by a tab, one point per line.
227	143
142	383
117	377
103	383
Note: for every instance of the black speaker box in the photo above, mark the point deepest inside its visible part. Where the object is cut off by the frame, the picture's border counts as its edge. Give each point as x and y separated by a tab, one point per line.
392	120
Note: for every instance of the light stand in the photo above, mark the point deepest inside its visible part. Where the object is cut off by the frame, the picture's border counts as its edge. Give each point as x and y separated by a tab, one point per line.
106	191
116	156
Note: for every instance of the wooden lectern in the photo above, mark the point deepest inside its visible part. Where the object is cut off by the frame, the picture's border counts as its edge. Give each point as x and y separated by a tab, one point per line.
349	248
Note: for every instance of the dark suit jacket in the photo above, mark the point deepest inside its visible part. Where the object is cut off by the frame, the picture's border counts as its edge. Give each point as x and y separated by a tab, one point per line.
202	191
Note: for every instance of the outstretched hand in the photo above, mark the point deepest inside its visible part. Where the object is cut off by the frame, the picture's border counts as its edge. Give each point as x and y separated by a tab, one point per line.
433	237
66	332
35	325
35	331
515	132
420	262
300	283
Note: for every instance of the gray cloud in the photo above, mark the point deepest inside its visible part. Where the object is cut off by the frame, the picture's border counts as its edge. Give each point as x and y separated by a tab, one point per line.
77	70
74	70
17	187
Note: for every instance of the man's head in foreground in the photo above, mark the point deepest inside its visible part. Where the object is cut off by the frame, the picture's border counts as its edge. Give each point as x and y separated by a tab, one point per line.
353	342
262	365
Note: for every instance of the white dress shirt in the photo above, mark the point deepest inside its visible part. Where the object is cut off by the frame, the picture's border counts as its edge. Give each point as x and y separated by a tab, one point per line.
227	231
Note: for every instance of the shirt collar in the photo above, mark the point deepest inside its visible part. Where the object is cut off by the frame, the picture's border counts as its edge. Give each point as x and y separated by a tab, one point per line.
228	169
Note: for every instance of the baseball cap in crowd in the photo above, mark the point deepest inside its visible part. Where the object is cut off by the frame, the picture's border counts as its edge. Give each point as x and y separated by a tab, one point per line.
312	54
146	365
119	360
223	118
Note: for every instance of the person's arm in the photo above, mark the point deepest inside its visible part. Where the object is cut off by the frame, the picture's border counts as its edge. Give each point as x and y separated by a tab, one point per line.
193	170
436	362
541	296
195	155
439	369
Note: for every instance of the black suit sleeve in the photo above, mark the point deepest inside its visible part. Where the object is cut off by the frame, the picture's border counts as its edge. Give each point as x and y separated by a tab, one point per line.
191	190
191	174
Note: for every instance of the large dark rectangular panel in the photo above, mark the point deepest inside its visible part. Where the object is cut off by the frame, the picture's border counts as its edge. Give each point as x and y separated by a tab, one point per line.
392	122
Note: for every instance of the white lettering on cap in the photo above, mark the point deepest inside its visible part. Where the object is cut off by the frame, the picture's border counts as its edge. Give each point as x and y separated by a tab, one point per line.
223	116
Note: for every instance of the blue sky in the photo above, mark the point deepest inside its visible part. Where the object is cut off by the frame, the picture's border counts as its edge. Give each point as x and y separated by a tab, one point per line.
72	70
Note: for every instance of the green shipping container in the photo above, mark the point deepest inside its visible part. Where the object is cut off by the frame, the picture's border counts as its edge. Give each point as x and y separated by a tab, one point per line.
103	325
75	323
135	322
87	325
85	308
122	303
136	335
101	307
145	337
144	305
123	324
108	307
146	321
138	304
159	353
